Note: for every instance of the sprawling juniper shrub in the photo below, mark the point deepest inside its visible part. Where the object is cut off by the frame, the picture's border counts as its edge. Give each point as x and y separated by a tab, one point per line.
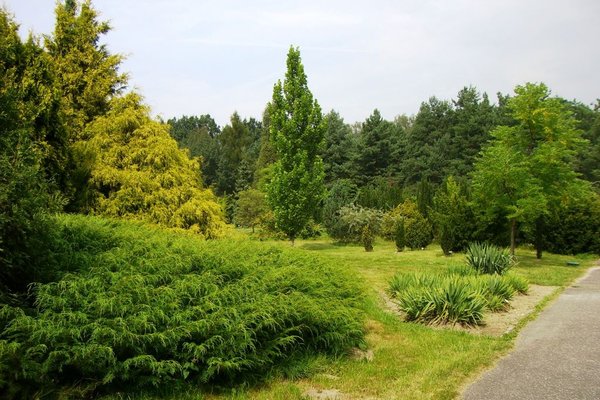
153	307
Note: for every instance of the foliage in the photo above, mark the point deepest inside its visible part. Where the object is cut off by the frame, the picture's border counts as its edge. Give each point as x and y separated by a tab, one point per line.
251	207
575	227
340	149
27	156
88	74
297	129
486	258
457	296
377	144
200	136
528	169
139	173
452	216
417	230
400	236
380	193
444	301
150	307
341	193
360	225
234	140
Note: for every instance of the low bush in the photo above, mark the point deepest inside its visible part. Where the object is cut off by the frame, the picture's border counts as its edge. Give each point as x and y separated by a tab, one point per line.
459	296
451	301
361	225
152	307
486	258
400	236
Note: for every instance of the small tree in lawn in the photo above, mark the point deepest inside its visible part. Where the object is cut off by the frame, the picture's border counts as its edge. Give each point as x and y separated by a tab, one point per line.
250	208
296	189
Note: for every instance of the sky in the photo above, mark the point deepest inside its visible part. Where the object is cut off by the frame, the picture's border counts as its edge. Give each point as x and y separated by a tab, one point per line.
191	57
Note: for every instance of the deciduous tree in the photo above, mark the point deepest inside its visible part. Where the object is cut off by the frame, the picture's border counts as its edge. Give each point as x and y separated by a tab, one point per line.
297	130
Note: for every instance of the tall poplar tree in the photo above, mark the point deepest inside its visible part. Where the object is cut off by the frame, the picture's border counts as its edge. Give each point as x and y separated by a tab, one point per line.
297	132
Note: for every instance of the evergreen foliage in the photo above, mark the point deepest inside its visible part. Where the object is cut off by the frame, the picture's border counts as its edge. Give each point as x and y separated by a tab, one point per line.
400	236
417	230
153	308
29	151
575	227
139	173
296	189
341	193
453	217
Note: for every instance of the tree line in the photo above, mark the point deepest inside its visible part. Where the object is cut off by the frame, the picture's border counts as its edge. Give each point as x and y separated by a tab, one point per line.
75	139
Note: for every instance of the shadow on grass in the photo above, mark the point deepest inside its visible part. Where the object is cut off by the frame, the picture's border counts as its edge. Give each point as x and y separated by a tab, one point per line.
317	246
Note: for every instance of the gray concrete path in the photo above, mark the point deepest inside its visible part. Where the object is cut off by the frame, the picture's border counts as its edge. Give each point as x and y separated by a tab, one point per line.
557	356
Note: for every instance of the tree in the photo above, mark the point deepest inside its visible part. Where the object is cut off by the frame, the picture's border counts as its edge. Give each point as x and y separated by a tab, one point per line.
296	189
251	208
341	193
339	152
87	77
234	141
88	74
140	173
452	217
27	153
376	147
527	171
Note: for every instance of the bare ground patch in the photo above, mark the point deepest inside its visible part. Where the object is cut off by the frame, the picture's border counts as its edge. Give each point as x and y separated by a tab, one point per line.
498	323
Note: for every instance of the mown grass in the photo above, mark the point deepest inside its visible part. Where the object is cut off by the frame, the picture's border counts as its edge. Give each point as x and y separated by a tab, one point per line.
410	361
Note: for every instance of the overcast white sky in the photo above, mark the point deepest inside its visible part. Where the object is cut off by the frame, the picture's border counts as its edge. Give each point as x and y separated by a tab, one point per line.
196	57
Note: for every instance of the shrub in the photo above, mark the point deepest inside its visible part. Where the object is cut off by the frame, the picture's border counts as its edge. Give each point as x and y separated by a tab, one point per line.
342	193
452	217
575	228
361	225
400	238
458	296
150	307
417	230
486	258
452	301
519	284
140	173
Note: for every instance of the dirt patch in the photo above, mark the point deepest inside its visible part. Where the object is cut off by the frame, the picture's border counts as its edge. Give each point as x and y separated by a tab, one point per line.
499	323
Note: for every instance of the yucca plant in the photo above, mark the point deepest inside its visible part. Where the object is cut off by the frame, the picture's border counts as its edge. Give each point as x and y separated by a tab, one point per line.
518	283
486	258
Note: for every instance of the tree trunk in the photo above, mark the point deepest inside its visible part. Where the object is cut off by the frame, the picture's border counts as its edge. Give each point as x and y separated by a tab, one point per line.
539	237
513	236
293	240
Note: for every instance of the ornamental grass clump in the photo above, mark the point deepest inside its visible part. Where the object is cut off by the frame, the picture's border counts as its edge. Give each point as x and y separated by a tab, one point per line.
458	296
149	307
486	258
445	300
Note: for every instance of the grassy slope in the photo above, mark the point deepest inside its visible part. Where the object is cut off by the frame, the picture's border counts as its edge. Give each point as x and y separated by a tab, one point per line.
410	361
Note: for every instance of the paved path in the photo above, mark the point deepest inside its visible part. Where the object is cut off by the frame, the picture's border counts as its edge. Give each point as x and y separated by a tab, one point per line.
557	356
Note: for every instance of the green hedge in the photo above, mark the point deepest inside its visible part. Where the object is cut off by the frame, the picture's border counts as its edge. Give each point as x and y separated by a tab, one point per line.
153	307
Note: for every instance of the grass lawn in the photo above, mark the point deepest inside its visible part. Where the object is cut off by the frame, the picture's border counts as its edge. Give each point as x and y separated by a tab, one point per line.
410	361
